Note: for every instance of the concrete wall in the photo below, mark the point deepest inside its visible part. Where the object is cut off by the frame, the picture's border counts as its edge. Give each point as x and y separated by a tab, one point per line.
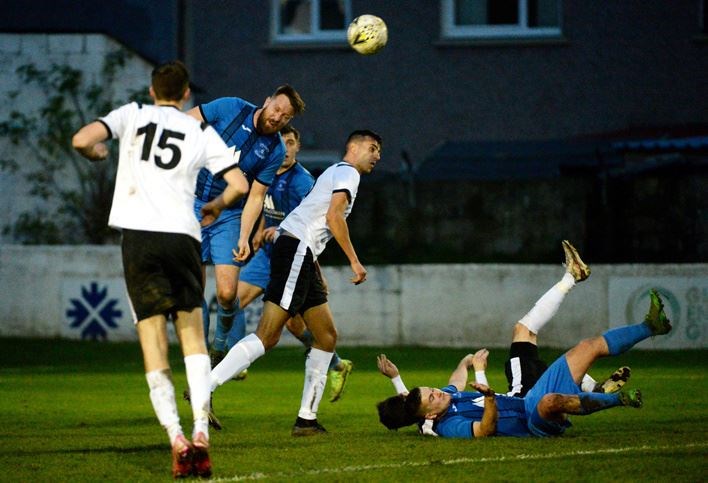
78	292
83	51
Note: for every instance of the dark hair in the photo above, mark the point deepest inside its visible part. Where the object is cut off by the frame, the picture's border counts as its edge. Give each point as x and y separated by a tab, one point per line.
399	411
295	99
360	134
289	128
170	81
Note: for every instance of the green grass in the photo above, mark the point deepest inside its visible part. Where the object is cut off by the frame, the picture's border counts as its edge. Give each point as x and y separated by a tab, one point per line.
79	411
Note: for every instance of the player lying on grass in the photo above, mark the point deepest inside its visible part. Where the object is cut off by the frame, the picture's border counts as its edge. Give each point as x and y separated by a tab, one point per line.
523	367
544	410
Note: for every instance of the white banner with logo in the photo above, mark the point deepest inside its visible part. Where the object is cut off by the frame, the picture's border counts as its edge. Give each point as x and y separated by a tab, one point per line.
685	302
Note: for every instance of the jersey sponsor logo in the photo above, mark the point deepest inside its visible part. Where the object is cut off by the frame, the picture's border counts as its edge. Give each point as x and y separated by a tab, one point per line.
269	208
246	128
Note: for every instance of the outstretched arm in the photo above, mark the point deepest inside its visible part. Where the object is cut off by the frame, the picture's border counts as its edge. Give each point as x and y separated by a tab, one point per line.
389	369
88	141
338	225
479	362
459	376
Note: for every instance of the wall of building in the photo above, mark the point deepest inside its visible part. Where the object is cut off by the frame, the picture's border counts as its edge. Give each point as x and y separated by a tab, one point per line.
618	66
83	51
78	292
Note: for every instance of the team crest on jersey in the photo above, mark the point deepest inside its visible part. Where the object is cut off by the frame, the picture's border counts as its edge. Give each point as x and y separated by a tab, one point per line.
261	150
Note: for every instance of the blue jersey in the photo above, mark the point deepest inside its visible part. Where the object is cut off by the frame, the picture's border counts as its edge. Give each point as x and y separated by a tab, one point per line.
261	156
468	407
285	193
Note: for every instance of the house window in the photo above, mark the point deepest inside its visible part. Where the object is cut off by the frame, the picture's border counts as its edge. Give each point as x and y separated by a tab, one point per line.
306	21
484	19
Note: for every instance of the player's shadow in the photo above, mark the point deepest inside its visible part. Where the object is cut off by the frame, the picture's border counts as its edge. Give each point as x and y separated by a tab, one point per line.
107	449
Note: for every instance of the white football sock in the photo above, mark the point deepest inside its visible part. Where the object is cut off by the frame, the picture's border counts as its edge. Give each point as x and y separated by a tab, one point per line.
237	359
547	306
315	379
162	395
587	384
198	367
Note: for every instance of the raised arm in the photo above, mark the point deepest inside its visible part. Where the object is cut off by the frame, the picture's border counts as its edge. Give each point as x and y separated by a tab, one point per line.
88	141
389	369
459	376
338	225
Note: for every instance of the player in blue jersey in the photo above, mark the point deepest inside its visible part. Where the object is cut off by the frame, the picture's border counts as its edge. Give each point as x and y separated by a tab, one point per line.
545	409
255	132
291	184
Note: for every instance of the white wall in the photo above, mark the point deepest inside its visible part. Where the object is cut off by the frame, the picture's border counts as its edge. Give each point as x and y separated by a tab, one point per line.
83	51
60	291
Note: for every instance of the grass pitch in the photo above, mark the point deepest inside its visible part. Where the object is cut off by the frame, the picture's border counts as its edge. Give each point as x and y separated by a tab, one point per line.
79	411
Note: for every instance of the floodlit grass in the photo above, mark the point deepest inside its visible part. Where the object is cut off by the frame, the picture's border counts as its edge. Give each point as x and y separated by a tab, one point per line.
79	411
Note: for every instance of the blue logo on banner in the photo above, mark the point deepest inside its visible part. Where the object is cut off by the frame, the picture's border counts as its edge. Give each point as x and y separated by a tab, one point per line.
94	313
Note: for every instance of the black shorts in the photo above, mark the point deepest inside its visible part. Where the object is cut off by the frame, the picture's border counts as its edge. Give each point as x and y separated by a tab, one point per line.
523	368
163	272
295	281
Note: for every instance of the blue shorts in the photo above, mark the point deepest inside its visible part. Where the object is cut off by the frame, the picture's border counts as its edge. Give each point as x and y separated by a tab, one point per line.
556	379
221	237
257	270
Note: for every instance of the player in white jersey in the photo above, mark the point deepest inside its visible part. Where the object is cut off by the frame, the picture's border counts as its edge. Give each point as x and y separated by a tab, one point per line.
161	153
296	285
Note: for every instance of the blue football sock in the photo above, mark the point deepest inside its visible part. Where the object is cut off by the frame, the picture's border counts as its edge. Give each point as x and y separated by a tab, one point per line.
591	402
621	339
205	321
334	361
238	331
224	321
306	338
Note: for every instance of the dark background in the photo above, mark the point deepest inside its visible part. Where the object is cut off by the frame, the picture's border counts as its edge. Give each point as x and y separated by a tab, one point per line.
494	151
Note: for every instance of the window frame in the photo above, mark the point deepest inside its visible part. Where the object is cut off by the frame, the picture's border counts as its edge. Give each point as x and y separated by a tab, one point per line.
450	31
316	36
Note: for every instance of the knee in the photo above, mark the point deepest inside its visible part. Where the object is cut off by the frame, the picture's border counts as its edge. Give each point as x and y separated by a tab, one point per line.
593	346
226	295
269	338
327	339
550	405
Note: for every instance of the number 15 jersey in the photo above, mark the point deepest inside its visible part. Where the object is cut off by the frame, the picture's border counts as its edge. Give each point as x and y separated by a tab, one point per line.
161	152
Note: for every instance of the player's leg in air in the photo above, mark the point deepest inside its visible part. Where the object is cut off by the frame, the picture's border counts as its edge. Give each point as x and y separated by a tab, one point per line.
556	393
524	367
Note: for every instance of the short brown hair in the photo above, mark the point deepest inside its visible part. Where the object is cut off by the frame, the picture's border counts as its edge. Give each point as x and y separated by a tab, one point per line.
290	129
295	99
170	81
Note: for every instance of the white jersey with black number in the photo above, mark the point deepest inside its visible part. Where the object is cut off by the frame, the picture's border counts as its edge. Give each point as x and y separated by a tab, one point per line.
161	152
308	221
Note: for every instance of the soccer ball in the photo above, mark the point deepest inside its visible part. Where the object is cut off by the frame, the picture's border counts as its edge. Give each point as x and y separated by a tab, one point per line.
367	34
